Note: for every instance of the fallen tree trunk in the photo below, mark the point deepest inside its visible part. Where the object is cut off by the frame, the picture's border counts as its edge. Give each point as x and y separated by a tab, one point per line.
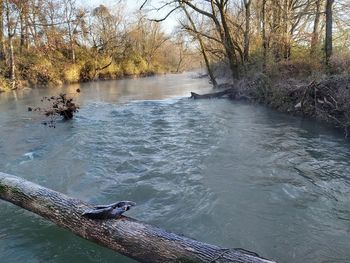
229	92
127	236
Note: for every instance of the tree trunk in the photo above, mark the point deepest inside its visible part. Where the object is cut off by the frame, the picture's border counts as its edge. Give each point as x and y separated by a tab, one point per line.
127	236
247	4
25	30
22	29
315	33
275	30
2	52
12	64
285	26
71	45
228	43
264	38
329	31
10	36
73	52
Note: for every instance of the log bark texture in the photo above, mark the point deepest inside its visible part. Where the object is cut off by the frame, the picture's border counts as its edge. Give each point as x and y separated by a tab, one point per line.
137	240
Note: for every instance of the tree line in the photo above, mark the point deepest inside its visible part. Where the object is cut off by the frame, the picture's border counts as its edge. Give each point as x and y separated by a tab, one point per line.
55	41
260	34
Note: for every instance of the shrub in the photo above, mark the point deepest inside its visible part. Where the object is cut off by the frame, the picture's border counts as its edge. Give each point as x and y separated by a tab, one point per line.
140	64
38	70
87	71
113	71
71	74
4	84
340	63
129	68
134	65
297	68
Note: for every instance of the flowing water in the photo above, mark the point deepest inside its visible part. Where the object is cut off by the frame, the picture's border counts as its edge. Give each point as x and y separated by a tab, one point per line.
227	173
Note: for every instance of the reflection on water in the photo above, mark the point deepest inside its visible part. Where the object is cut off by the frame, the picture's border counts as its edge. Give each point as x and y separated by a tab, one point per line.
227	173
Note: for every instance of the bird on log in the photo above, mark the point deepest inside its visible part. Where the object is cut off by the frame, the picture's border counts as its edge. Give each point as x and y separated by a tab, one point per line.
110	211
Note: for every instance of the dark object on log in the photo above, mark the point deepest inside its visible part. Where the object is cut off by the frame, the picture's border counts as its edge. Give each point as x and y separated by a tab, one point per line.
111	211
127	236
228	92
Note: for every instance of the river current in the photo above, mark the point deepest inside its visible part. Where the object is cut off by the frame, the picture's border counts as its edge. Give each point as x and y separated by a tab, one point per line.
222	172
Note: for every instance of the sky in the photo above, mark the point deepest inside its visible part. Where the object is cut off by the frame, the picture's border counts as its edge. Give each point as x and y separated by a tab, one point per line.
132	5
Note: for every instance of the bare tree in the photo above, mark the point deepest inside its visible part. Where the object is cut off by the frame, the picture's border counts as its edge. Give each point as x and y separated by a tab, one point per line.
23	7
72	17
316	27
11	20
149	38
217	13
247	5
264	37
193	28
329	31
2	54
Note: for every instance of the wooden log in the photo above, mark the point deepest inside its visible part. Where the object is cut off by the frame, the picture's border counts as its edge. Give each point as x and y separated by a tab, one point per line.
229	92
132	238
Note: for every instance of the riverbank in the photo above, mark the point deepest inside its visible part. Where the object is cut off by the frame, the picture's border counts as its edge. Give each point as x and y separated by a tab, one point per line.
23	84
325	98
35	70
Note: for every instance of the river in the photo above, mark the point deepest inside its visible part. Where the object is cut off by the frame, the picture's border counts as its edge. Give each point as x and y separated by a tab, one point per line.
223	172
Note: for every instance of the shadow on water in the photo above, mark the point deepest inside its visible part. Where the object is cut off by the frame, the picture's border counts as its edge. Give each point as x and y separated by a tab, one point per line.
227	173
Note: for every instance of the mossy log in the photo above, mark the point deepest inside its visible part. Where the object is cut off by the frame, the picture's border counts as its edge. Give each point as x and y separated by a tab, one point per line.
132	238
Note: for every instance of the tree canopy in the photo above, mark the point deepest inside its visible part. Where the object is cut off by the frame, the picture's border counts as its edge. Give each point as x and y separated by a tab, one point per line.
55	41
